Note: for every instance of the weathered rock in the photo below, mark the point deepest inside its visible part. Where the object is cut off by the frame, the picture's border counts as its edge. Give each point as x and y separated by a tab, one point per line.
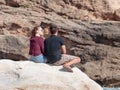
93	9
13	3
26	75
83	28
117	14
14	47
2	2
97	44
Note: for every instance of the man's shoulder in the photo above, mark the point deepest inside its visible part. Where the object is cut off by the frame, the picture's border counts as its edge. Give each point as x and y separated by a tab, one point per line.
47	38
58	37
51	37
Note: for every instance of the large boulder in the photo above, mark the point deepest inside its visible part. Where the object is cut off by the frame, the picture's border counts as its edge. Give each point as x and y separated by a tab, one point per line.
82	25
14	47
26	75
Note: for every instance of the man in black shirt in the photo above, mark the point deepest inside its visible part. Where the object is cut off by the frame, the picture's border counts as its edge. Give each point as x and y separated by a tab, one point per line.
55	50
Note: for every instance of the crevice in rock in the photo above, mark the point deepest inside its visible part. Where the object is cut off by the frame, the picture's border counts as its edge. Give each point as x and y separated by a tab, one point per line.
14	26
101	39
12	3
12	56
101	83
108	16
108	83
111	82
66	1
93	55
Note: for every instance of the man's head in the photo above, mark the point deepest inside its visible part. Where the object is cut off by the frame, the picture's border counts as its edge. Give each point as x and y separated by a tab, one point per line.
54	29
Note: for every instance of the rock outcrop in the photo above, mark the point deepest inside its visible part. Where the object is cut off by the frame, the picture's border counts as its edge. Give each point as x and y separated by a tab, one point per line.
90	28
26	75
13	47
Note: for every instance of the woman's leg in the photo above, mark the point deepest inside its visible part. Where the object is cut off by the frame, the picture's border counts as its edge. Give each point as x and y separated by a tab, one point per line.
38	59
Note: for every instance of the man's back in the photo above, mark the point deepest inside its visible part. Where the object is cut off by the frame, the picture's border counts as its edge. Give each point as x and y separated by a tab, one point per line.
53	48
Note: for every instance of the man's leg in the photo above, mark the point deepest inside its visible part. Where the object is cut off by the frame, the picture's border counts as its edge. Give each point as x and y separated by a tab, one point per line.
70	60
67	61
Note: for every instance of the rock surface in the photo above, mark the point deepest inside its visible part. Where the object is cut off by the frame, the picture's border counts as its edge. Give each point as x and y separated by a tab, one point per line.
90	28
14	47
26	75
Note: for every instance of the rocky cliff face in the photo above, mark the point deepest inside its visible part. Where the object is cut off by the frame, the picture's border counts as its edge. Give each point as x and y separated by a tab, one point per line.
90	28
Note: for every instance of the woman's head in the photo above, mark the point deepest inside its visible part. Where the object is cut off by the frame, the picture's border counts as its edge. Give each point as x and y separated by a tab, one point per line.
37	31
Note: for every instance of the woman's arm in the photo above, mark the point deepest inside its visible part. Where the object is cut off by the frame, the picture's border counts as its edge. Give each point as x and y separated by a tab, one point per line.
41	43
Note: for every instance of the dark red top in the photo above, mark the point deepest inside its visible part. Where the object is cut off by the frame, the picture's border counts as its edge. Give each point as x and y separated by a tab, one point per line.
36	46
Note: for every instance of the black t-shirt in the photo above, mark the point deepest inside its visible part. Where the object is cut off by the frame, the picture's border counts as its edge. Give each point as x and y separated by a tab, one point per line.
53	48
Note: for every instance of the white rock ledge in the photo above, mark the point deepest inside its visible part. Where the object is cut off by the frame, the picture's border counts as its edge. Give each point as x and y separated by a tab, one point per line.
26	75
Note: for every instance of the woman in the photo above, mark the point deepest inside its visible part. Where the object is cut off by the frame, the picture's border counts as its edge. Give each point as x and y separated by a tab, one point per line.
37	45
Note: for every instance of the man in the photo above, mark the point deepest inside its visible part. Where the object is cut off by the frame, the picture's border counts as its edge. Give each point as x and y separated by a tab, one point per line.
55	51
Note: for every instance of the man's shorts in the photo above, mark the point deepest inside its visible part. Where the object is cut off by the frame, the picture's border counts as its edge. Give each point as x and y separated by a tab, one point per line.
65	58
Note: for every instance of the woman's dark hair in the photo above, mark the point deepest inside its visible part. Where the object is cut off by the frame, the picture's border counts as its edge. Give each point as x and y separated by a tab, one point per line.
34	31
53	29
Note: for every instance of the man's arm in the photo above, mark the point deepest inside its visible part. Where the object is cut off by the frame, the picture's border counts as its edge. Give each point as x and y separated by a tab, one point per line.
63	47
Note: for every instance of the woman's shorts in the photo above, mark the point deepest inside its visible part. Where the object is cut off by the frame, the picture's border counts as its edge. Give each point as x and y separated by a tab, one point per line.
38	59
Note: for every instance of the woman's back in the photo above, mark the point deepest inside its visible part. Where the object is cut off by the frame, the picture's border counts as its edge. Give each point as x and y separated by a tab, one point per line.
36	46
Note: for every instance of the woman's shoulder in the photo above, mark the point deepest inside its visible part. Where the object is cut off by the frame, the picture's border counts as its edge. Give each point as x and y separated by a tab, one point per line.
41	38
35	38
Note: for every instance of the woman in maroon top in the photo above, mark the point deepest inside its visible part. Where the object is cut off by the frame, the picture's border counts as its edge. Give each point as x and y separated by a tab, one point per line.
37	45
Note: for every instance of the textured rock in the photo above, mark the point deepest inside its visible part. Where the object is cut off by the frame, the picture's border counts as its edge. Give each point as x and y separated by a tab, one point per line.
12	47
83	28
13	3
75	9
2	2
26	75
97	43
117	13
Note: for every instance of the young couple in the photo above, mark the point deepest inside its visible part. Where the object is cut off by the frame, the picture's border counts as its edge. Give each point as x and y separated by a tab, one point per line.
51	50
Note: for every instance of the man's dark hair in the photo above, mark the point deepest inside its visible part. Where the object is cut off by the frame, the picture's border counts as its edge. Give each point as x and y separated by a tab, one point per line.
53	29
